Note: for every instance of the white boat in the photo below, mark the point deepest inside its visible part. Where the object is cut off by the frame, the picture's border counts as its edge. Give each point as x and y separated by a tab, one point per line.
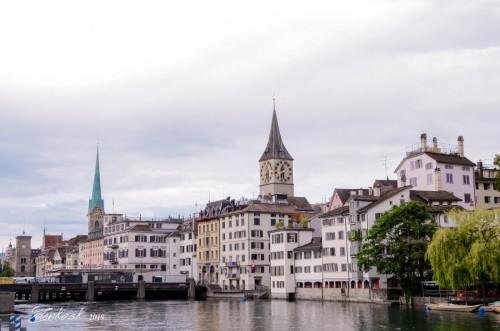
496	309
452	307
491	307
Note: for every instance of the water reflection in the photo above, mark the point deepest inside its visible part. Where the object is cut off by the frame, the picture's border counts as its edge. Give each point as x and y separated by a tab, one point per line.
214	315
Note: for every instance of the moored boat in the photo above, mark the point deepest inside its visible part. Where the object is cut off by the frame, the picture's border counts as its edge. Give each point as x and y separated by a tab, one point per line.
496	309
452	307
490	307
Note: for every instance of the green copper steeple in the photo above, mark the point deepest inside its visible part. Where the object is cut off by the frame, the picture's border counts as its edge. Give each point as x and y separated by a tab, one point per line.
96	190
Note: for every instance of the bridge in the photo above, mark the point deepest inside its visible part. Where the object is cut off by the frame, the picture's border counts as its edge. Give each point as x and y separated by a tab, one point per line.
97	291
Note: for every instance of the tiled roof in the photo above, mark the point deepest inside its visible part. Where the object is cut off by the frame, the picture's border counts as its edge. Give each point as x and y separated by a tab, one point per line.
432	196
345	193
451	159
269	208
140	228
300	203
336	212
386	184
314	245
387	195
441	158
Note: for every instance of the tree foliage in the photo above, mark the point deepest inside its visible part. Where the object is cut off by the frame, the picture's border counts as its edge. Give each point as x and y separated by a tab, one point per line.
496	162
396	245
7	270
468	253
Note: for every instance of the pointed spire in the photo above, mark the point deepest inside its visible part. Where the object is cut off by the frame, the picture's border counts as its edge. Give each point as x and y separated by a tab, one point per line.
275	148
96	190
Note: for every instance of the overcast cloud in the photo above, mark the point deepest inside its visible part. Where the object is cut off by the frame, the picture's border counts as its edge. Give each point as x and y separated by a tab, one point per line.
179	96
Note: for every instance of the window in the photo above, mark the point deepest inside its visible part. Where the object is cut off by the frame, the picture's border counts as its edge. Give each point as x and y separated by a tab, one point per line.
342	251
428	166
486	186
487	199
330	236
412	165
341	235
418	164
449	178
448	166
497	199
413	181
402	173
377	215
429	179
291	237
466	197
256	221
344	267
273	221
257	233
466	180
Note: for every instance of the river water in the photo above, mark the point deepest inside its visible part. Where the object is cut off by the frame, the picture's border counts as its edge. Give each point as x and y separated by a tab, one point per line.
233	314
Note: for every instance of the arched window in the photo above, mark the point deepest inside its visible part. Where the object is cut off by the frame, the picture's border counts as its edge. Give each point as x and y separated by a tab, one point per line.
23	268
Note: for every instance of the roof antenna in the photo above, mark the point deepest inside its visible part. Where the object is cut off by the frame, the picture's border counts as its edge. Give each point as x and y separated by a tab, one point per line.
385	162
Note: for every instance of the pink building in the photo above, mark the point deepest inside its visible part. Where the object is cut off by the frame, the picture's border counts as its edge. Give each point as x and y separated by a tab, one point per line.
439	168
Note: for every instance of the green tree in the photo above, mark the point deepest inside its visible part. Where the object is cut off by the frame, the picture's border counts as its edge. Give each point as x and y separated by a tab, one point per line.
396	245
7	270
496	162
469	252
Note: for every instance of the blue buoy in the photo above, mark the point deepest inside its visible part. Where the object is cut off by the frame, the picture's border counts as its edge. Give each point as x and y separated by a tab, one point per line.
427	308
481	309
244	299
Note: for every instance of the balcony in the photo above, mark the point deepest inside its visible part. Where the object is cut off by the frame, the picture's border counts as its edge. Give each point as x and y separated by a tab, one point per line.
233	264
114	246
115	261
233	276
355	235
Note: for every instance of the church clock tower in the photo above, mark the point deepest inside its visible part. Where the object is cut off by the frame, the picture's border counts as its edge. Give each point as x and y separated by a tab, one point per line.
276	165
96	205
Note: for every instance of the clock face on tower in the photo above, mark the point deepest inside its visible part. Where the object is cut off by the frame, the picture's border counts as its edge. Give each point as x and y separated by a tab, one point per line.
266	172
283	171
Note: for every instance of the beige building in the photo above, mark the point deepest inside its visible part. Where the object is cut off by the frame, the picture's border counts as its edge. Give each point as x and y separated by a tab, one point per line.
208	250
486	194
24	258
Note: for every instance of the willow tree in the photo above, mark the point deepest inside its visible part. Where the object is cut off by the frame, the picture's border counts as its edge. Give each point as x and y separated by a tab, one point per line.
396	245
468	253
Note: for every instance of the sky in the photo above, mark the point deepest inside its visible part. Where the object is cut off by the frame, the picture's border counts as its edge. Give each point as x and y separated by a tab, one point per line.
179	97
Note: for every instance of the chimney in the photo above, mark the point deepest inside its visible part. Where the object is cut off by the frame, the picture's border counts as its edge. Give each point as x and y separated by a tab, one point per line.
423	142
370	191
376	190
360	191
437	180
353	192
434	144
461	146
480	168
